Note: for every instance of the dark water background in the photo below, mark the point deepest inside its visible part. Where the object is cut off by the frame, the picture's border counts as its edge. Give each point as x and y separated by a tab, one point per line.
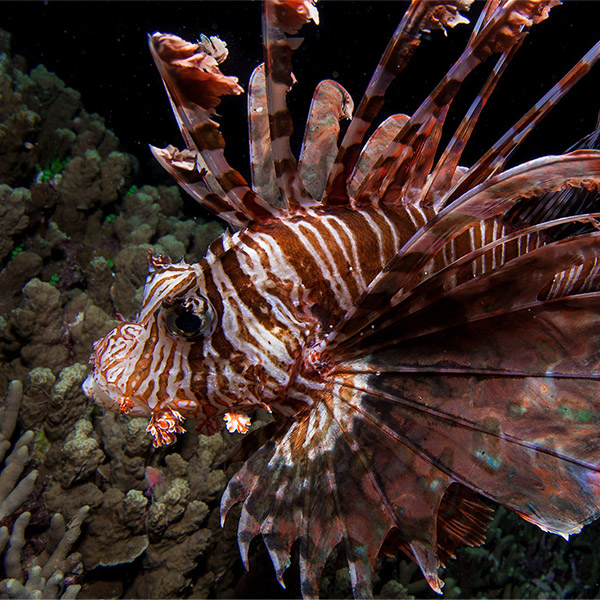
100	49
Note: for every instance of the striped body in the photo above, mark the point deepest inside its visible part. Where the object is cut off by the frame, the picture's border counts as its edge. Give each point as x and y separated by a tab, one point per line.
423	333
276	291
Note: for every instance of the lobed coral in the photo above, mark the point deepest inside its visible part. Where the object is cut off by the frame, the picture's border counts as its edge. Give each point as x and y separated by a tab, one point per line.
75	254
77	231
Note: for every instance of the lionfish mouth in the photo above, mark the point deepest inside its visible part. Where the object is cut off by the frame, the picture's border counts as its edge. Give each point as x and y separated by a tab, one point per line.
96	388
102	395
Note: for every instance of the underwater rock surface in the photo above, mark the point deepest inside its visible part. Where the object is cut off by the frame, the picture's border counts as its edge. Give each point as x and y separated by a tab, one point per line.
87	507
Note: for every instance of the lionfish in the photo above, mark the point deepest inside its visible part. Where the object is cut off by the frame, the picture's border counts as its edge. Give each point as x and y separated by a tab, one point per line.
424	334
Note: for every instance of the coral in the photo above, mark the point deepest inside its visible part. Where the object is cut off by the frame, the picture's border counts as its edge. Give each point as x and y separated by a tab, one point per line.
35	405
131	265
207	480
13	495
23	266
88	183
139	218
127	447
37	323
394	589
42	574
80	455
167	526
55	404
177	541
13	492
51	169
82	320
510	563
78	232
13	217
41	123
99	274
116	533
205	233
46	577
9	413
74	255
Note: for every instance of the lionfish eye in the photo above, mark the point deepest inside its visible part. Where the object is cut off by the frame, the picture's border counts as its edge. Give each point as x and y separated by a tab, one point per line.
187	319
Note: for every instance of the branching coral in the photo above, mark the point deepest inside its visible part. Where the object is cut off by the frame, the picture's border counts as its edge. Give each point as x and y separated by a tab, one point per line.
13	491
42	576
46	577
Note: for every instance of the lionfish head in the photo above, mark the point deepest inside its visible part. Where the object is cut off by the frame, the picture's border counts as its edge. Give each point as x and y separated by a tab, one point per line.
142	368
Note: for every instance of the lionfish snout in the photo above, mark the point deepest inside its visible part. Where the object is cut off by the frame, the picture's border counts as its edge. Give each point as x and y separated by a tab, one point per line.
112	383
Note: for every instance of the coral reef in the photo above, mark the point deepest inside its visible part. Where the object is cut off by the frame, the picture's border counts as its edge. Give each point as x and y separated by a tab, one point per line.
75	254
87	506
77	231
